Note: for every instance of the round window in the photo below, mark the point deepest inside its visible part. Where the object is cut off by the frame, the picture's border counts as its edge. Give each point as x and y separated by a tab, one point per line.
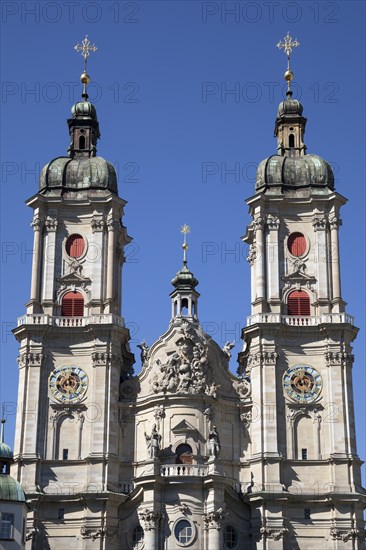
75	246
230	537
183	532
138	538
296	244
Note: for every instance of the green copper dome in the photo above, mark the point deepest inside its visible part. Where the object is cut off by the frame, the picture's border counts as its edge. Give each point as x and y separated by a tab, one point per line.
184	278
78	173
307	170
10	489
84	109
5	451
291	107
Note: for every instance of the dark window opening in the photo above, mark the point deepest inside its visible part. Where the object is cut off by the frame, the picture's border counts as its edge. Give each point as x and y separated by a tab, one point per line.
184	306
65	454
61	513
304	454
184	454
298	303
307	513
81	142
291	140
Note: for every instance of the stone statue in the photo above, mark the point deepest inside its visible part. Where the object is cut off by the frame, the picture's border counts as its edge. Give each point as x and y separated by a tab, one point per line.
214	446
153	442
144	351
227	347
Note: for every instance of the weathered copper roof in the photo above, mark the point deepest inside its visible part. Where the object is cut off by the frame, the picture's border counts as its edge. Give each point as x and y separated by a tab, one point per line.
295	172
78	173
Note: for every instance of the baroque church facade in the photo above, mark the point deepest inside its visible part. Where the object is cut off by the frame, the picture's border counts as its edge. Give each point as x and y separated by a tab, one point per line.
186	454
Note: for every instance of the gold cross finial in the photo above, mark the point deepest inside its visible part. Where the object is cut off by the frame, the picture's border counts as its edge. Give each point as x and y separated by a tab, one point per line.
85	48
287	45
185	229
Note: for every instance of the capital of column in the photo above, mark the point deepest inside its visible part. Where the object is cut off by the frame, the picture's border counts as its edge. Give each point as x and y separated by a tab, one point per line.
150	519
319	223
112	224
335	222
273	222
258	224
214	519
51	224
37	223
97	224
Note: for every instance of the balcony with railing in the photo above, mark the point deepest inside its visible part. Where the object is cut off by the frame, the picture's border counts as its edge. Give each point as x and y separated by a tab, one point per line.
184	470
70	322
300	320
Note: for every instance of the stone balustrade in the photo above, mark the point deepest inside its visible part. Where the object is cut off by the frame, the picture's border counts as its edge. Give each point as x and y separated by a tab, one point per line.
300	321
50	320
184	470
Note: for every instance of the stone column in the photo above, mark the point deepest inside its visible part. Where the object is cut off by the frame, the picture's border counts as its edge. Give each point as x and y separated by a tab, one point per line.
321	259
98	227
110	263
260	266
37	225
150	522
335	223
49	260
273	275
212	524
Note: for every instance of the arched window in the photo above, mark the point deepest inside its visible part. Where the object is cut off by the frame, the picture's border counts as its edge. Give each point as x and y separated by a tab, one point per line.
291	140
184	454
296	244
298	303
81	142
75	245
72	305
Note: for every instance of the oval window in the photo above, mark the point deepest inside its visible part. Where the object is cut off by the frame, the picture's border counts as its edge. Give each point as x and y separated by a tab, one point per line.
183	532
75	246
296	244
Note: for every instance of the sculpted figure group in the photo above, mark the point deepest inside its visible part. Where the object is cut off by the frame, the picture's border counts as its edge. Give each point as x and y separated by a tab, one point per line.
186	371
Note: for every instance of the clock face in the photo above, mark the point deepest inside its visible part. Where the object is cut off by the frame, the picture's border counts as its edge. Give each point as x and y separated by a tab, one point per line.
302	383
68	384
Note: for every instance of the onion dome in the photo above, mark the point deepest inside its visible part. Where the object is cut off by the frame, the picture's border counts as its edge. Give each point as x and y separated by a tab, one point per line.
78	173
184	278
84	109
10	489
290	107
302	171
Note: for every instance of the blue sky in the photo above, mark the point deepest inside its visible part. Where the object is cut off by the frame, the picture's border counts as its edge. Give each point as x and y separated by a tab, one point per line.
186	94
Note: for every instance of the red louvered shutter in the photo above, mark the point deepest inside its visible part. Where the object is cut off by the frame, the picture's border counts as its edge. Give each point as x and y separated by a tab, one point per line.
75	246
297	244
72	305
298	303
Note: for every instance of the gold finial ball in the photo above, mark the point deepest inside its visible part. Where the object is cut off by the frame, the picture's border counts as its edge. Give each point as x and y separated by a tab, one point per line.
85	78
185	246
289	75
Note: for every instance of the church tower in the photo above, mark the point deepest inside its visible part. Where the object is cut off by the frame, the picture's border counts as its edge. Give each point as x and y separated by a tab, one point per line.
297	352
74	348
